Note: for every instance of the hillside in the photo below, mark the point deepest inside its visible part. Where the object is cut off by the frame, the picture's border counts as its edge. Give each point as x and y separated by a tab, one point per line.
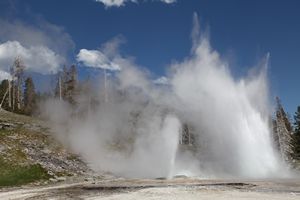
29	154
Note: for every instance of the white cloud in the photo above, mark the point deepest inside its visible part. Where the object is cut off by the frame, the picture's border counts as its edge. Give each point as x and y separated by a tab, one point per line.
168	1
39	33
118	3
110	3
107	57
97	59
37	44
161	80
36	58
4	75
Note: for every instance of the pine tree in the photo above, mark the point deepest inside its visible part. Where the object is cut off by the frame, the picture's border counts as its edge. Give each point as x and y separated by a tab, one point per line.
283	133
296	135
29	96
284	115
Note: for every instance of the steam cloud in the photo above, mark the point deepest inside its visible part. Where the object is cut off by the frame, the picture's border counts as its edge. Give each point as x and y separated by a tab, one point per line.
136	133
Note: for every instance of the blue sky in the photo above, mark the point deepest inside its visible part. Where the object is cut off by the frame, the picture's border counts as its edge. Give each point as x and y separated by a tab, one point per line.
157	33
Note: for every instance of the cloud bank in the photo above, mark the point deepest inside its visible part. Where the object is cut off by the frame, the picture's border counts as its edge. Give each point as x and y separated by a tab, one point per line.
38	33
39	59
118	3
37	45
4	75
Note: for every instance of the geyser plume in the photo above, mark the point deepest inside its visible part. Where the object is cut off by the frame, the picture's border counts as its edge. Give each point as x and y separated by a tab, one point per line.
136	133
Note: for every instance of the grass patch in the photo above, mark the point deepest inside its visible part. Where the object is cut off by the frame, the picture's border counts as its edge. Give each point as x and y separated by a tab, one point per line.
4	133
13	175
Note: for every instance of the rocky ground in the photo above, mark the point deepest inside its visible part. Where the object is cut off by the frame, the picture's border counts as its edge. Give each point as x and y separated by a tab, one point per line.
26	141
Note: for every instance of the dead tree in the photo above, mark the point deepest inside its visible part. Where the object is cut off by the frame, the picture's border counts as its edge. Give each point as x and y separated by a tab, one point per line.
17	73
9	93
187	135
66	87
3	98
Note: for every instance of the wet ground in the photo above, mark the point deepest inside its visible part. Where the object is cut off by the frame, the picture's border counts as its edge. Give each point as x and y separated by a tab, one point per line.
179	188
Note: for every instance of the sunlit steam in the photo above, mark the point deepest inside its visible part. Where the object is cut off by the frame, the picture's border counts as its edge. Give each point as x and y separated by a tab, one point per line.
136	133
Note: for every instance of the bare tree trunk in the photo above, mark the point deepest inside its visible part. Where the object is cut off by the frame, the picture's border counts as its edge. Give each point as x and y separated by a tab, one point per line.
105	87
4	98
181	136
59	85
9	93
189	138
18	96
13	95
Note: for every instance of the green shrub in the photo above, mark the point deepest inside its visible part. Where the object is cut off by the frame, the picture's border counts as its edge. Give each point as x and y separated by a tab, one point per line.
12	175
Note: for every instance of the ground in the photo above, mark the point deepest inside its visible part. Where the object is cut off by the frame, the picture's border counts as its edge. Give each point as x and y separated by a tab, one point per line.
30	155
181	188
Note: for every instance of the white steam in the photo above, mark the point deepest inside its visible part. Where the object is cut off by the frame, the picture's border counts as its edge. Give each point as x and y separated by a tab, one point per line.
229	115
137	132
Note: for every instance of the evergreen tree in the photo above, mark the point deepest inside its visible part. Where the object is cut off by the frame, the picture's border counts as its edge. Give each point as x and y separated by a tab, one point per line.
29	97
284	115
283	133
296	135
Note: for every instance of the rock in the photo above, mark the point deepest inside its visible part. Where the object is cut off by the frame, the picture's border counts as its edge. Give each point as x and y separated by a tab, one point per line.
14	137
161	178
61	178
53	180
2	148
46	151
7	126
50	173
180	176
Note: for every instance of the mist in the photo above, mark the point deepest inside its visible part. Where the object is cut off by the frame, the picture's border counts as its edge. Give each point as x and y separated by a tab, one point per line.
135	127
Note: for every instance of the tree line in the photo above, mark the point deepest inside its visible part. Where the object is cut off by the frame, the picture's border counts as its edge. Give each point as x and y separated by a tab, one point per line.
19	95
296	135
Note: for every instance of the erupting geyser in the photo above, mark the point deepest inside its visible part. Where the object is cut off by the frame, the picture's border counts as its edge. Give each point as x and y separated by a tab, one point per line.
136	132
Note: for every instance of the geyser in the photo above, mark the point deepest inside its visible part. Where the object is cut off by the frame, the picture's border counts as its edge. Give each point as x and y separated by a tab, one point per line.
136	132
